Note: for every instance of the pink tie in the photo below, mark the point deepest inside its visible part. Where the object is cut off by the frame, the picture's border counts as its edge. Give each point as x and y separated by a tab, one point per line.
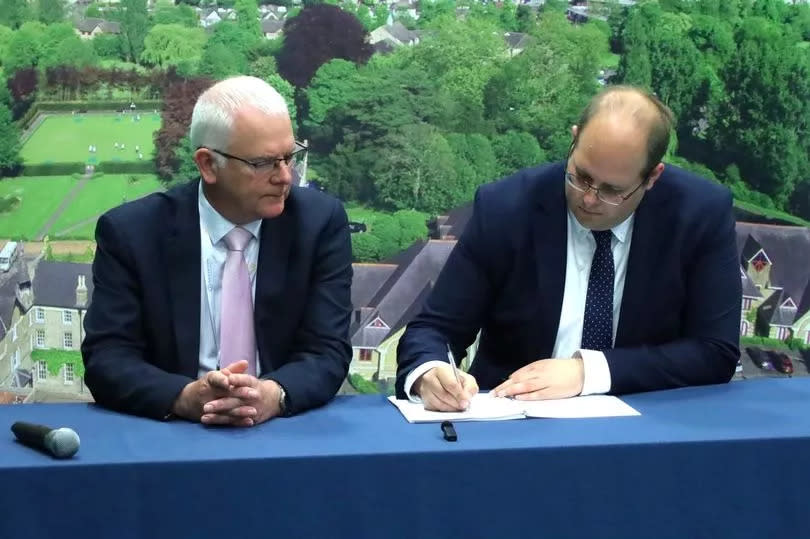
237	337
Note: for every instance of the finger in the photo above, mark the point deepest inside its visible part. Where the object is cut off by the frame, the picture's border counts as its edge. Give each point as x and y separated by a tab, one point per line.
500	388
240	412
218	419
440	402
469	383
448	382
237	367
520	388
223	405
243	380
217	380
245	393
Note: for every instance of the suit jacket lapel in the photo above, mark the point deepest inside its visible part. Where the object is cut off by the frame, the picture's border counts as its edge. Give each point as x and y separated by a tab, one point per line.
550	231
640	269
183	256
271	273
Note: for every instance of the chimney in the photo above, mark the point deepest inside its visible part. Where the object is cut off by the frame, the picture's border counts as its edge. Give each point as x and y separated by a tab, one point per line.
81	292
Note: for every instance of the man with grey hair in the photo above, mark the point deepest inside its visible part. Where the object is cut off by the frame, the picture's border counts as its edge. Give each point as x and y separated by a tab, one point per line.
225	300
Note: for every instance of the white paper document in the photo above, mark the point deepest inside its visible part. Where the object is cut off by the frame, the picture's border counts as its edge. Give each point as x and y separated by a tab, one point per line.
485	407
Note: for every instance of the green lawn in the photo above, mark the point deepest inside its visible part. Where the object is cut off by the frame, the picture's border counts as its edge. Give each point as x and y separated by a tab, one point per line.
39	198
773	214
99	195
66	138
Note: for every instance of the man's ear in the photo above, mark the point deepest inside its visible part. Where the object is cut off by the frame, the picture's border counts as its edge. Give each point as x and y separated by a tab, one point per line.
654	175
206	164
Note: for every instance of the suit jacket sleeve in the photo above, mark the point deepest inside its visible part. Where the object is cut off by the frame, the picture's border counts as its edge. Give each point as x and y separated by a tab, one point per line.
321	351
708	351
454	311
114	345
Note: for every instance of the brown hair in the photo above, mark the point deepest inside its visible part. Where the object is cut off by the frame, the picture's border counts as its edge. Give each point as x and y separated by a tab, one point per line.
642	106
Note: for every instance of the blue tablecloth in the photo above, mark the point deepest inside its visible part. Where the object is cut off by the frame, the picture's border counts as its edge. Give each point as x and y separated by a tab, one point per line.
720	461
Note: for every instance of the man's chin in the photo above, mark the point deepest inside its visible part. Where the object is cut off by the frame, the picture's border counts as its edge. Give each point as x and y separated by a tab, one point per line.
272	207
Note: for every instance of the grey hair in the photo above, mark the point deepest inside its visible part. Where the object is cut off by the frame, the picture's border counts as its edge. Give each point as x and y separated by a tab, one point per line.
212	118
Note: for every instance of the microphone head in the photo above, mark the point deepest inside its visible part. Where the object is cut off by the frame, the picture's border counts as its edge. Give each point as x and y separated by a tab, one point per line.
62	443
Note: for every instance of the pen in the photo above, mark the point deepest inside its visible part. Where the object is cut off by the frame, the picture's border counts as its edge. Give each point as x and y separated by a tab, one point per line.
452	361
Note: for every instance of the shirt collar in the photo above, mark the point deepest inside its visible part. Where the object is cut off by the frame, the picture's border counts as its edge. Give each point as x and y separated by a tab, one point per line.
215	225
620	230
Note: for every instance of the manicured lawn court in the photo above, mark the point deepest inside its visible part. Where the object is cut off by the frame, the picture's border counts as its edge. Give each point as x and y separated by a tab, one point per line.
38	199
99	195
65	138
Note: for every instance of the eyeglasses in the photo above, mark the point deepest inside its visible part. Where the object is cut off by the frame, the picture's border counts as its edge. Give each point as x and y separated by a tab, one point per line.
608	195
293	161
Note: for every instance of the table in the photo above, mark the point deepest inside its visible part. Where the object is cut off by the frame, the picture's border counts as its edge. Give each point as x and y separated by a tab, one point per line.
719	461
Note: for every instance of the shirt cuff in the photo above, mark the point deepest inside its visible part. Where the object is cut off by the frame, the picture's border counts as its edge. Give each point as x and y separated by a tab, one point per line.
414	375
597	373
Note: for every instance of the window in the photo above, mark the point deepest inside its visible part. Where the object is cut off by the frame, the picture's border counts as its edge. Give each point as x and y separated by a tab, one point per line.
42	370
14	333
67	369
67	316
15	359
68	340
39	314
781	333
40	338
365	354
746	305
744	328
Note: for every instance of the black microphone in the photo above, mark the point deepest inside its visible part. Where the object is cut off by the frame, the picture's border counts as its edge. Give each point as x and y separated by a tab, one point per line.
60	443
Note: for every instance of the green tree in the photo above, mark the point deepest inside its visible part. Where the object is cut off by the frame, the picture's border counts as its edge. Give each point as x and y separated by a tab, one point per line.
461	57
759	124
108	46
6	34
134	26
171	44
13	13
434	10
51	11
219	62
475	161
412	227
286	90
9	141
415	171
167	13
515	150
365	247
386	229
334	84
25	47
247	18
71	50
92	11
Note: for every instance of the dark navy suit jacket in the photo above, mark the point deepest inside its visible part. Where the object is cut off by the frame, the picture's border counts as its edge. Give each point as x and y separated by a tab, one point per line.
679	319
143	325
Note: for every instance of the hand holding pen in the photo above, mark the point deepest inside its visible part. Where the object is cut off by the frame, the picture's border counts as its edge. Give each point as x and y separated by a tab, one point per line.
446	388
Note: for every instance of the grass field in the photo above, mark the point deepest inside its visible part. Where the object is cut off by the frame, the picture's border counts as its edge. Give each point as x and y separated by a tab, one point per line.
65	138
99	195
38	199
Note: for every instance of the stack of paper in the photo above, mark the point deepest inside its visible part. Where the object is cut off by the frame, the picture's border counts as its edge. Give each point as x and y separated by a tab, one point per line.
485	407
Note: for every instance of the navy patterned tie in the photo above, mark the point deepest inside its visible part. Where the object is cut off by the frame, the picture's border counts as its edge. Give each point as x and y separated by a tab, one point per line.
597	331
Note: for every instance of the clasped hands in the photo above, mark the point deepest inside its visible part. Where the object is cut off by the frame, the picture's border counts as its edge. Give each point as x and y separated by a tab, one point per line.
542	379
229	397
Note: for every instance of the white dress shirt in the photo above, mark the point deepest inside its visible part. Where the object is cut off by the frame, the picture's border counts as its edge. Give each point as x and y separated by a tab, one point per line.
581	246
213	228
